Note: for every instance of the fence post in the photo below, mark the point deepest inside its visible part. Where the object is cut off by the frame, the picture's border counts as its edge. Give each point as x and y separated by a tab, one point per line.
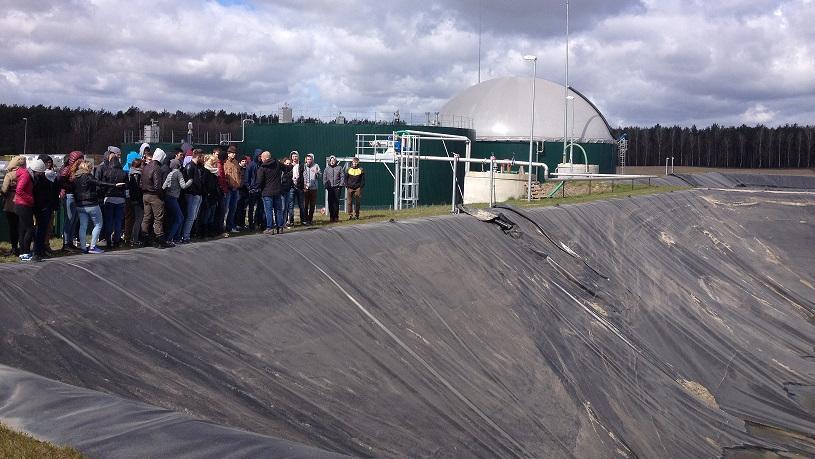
666	165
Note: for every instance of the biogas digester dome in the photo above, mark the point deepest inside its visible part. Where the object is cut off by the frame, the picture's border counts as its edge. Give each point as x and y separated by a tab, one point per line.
500	110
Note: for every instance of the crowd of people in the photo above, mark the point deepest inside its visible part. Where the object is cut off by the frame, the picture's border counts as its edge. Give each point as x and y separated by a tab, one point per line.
161	199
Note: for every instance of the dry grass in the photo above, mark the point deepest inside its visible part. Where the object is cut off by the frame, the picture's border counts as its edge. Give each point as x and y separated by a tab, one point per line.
14	445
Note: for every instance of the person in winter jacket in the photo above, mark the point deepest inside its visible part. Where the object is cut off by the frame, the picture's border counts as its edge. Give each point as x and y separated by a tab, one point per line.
334	180
136	202
24	205
254	201
46	200
66	183
173	185
129	217
243	195
311	174
212	198
87	204
354	183
114	202
269	180
194	174
286	184
152	181
295	193
8	191
231	169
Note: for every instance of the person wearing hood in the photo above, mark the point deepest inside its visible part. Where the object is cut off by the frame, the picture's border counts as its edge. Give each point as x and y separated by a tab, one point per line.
24	205
269	179
129	217
46	200
311	173
173	185
334	180
8	191
114	204
354	182
66	183
152	181
136	203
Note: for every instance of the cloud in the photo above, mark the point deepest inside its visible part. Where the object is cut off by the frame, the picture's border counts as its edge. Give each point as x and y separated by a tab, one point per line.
641	62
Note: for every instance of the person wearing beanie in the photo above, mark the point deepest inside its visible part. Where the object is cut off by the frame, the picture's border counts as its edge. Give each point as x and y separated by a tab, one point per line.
173	185
66	184
311	173
334	180
152	182
114	203
86	188
7	192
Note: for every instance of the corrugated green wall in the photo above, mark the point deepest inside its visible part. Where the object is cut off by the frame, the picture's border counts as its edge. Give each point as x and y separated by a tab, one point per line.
602	154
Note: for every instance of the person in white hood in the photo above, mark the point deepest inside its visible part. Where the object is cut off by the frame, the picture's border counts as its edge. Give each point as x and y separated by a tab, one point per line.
152	182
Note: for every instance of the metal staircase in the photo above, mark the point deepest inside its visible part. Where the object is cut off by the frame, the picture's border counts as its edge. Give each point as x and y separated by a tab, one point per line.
407	172
622	148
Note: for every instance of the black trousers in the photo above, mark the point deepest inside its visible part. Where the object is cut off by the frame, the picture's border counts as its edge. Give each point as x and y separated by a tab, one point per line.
25	215
13	233
334	203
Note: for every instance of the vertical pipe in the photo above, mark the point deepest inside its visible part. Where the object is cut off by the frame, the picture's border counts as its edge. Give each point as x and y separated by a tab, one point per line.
666	165
672	164
25	135
492	181
455	181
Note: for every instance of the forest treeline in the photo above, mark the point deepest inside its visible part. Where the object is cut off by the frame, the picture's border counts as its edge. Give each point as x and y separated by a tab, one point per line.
62	129
788	146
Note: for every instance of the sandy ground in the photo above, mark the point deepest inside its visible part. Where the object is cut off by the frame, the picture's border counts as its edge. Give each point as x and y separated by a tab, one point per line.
660	170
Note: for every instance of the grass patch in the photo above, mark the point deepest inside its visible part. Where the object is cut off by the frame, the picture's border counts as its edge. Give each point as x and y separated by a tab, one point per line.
373	215
15	445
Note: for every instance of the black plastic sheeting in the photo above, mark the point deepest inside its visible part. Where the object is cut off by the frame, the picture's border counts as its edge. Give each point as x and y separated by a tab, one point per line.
671	325
737	180
103	425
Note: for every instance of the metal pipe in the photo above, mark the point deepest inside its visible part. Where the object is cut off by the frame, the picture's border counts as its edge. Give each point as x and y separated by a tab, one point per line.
672	164
25	135
566	89
534	60
455	181
492	181
666	165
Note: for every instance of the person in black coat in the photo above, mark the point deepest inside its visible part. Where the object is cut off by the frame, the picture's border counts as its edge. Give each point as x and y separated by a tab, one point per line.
113	206
269	180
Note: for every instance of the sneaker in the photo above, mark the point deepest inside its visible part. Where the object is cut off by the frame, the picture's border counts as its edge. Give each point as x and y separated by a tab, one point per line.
71	248
26	257
234	230
268	231
184	241
166	244
95	250
136	243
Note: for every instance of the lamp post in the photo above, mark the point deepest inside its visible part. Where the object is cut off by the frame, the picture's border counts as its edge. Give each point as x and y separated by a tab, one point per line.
25	135
566	89
570	98
534	60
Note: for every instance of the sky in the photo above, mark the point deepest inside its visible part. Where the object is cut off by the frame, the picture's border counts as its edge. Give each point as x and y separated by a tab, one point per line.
641	62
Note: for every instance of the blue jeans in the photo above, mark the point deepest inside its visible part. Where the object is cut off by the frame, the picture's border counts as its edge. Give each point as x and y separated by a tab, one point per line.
71	220
113	219
296	195
287	215
176	217
193	204
273	209
94	213
230	207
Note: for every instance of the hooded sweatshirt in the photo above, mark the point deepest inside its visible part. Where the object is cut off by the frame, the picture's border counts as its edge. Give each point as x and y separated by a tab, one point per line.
115	174
175	182
24	194
334	176
143	147
151	177
130	157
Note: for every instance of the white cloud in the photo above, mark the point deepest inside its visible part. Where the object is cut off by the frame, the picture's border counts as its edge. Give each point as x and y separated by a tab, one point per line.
666	61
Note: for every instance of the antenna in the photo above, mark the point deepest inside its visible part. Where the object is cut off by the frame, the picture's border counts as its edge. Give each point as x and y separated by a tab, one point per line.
480	14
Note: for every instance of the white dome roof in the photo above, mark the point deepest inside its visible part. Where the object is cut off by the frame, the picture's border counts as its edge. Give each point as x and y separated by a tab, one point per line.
500	110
